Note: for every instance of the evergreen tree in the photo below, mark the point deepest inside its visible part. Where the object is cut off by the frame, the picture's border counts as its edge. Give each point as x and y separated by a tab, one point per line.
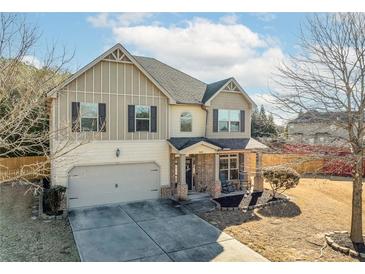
263	125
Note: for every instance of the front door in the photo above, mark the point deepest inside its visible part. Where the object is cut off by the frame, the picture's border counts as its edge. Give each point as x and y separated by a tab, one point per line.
189	173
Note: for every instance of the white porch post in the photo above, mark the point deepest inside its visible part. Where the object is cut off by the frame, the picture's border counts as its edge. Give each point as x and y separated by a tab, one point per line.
182	167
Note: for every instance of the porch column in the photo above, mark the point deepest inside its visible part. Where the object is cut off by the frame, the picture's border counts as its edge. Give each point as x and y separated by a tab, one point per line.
216	175
259	180
182	187
217	187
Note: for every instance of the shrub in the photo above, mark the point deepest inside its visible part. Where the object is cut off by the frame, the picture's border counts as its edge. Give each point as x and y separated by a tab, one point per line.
281	178
53	198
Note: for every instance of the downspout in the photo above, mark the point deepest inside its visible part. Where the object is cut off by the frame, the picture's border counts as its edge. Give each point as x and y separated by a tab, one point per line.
206	119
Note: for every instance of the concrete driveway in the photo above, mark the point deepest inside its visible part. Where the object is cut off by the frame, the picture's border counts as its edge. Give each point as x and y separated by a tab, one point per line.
156	230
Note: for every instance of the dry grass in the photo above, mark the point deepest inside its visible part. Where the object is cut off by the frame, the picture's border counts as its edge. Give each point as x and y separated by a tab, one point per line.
294	231
23	239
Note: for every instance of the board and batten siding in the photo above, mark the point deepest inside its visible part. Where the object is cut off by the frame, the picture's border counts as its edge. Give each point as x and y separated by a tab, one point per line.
117	85
229	100
198	120
104	153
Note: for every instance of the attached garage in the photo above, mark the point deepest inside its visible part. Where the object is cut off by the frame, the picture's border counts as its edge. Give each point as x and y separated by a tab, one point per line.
116	183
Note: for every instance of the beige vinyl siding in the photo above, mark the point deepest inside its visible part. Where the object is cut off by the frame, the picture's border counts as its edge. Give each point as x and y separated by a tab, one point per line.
99	153
198	120
230	100
117	85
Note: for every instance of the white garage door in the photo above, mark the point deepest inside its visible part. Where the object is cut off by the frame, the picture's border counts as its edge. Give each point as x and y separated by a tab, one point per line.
105	184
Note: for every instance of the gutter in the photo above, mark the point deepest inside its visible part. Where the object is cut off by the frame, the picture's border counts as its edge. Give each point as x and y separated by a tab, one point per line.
206	119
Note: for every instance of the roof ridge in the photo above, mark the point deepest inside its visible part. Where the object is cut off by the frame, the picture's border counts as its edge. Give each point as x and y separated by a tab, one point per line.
171	68
227	79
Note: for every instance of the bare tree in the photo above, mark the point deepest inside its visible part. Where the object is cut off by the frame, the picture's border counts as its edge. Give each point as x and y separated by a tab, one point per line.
328	76
24	109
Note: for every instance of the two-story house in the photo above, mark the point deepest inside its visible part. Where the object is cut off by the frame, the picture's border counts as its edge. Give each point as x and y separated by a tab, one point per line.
127	128
318	128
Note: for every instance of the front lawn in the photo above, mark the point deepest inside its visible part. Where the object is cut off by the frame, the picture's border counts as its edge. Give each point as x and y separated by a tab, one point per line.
24	239
294	231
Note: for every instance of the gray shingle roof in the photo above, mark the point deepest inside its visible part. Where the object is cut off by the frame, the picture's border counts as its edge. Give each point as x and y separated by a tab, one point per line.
182	87
230	143
319	117
213	88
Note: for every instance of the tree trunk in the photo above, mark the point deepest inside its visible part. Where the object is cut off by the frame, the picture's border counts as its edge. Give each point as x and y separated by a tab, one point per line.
356	217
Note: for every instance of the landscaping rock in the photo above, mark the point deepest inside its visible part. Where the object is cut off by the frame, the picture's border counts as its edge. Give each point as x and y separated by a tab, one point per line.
344	250
353	253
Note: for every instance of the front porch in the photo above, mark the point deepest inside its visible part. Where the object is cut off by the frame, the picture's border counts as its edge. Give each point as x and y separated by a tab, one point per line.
204	168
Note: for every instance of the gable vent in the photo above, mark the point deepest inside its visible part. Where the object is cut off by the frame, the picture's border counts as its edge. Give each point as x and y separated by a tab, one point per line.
231	87
117	56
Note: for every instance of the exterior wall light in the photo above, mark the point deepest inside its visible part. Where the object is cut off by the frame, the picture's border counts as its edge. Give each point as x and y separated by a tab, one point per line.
117	152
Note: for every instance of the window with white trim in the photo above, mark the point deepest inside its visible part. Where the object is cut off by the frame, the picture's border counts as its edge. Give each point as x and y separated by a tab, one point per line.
143	115
89	117
186	122
228	167
228	120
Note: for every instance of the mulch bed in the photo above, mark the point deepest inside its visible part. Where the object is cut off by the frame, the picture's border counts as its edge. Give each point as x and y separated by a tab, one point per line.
244	201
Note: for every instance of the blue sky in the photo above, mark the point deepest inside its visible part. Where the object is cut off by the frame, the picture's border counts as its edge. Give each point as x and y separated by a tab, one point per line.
209	46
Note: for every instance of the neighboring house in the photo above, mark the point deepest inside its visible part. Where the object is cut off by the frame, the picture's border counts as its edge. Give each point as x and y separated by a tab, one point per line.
154	131
317	128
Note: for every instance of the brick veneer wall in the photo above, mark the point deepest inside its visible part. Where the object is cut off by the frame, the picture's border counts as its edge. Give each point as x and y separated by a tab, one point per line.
204	172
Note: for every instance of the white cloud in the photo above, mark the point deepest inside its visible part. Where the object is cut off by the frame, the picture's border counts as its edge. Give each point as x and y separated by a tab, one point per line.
131	18
208	50
100	20
32	60
125	19
265	16
229	19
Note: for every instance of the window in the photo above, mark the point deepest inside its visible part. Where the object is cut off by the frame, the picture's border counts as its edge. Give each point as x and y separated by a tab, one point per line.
142	118
89	117
228	167
228	120
186	122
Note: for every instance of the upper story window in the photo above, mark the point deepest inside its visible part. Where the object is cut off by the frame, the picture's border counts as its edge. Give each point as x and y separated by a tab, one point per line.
89	116
142	118
228	120
186	122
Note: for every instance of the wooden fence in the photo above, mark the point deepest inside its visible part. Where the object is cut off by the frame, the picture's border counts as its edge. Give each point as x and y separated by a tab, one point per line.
32	167
299	162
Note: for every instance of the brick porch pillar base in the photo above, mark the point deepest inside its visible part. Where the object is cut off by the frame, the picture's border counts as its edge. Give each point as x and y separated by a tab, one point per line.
216	189
182	191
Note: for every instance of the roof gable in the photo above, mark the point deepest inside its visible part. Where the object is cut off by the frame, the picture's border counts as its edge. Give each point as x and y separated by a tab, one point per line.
115	54
229	85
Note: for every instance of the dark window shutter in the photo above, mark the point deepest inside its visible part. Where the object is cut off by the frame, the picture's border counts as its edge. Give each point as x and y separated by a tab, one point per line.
153	119
131	114
242	121
102	117
75	112
215	120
